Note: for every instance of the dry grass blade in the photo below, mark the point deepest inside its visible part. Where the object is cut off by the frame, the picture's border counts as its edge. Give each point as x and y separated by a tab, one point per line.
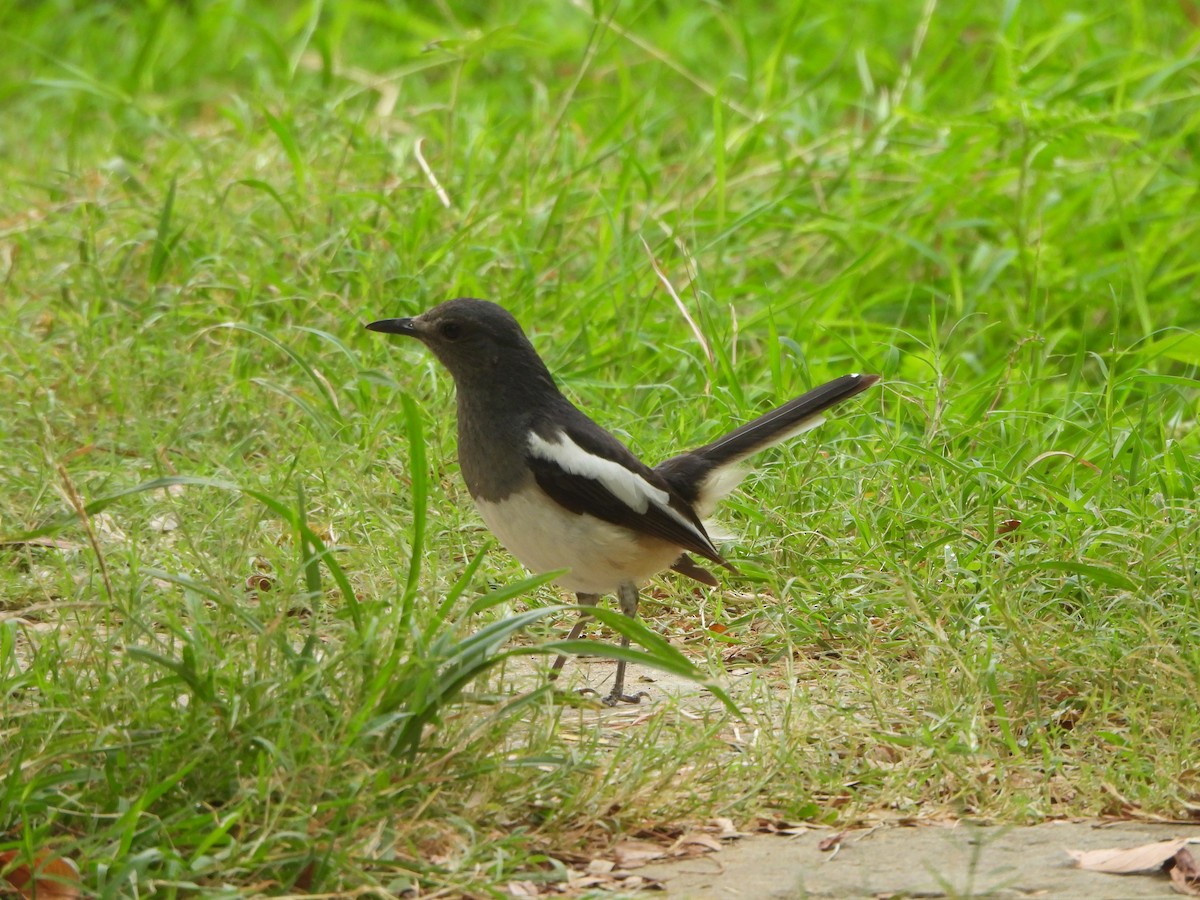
442	196
708	355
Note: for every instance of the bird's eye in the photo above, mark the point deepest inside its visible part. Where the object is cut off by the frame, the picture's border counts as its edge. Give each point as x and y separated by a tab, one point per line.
451	331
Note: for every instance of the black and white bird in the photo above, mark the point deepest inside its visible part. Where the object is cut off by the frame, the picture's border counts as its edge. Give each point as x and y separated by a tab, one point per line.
559	491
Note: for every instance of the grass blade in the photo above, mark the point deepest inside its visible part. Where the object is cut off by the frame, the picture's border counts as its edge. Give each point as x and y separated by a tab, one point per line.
163	242
419	480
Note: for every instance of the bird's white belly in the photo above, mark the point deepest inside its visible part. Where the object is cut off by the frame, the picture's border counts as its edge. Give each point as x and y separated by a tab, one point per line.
600	555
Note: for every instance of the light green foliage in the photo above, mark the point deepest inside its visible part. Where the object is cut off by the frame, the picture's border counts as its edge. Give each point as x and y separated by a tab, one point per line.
270	657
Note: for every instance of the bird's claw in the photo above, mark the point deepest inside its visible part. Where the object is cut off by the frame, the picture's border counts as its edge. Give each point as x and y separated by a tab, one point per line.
614	698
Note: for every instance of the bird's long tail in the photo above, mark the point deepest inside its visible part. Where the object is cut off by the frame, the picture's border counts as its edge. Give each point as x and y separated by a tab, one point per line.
704	475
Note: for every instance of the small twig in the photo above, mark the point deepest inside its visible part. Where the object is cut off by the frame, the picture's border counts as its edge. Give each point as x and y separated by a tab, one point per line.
81	510
678	303
437	186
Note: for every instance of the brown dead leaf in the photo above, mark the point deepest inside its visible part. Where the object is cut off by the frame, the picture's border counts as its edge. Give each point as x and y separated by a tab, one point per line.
697	843
260	583
832	842
780	826
725	829
616	880
587	882
635	854
522	889
746	653
1185	874
641	883
304	881
49	878
1144	860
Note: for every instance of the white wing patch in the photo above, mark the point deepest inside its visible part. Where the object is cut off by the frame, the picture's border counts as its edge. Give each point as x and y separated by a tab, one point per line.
629	487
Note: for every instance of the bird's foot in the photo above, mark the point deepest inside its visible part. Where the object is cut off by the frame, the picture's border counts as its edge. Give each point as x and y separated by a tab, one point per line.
614	698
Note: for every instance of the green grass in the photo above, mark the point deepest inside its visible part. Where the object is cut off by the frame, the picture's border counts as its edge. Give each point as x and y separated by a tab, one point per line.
973	595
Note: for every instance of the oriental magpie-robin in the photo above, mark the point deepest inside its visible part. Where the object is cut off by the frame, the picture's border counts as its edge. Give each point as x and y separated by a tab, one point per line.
559	491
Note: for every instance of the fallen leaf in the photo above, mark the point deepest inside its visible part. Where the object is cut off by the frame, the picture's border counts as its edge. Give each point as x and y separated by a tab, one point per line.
1144	860
634	854
746	653
586	882
725	829
618	880
698	840
832	842
49	878
259	582
641	883
1185	874
304	881
779	826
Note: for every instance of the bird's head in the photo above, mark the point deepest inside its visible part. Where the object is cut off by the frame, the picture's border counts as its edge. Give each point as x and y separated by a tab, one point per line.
471	338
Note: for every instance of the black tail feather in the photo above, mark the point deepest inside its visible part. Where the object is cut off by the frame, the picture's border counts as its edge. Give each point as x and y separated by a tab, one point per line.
690	472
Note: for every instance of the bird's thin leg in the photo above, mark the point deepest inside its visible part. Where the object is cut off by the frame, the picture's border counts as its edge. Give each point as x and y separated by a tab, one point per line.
576	630
627	595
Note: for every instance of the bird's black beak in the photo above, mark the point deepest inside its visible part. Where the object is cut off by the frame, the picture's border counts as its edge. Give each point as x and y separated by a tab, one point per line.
395	326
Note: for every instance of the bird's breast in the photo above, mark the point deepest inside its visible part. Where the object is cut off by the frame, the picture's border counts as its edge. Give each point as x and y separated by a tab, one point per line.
544	536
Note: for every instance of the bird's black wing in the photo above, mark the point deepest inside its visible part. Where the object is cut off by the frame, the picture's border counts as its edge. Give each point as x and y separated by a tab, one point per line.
585	469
